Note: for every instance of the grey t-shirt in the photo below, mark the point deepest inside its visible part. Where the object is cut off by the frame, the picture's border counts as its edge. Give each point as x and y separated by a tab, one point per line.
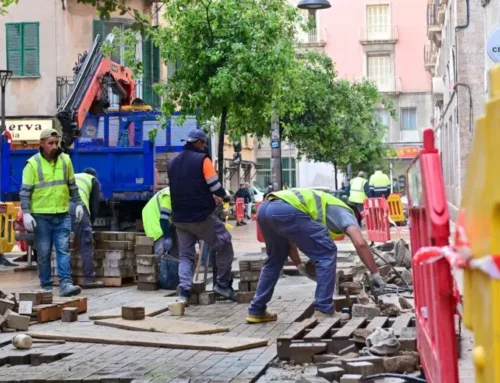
339	218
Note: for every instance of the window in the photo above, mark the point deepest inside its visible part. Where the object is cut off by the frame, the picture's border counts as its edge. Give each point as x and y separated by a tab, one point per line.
288	174
408	118
380	71
377	22
22	42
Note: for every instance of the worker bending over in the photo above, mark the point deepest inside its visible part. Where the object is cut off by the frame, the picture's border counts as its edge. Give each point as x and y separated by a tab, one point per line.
156	217
48	182
380	184
193	185
309	219
89	189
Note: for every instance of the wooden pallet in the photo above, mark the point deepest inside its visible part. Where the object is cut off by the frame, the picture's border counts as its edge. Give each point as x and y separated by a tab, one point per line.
110	281
331	336
51	312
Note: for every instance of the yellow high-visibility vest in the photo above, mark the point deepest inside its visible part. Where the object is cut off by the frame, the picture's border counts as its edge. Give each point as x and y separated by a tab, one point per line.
84	183
158	207
357	192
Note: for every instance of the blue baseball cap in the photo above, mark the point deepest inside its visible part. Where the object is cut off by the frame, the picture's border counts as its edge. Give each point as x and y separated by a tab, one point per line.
196	135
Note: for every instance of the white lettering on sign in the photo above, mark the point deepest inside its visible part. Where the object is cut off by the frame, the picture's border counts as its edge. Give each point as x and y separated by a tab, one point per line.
493	45
27	130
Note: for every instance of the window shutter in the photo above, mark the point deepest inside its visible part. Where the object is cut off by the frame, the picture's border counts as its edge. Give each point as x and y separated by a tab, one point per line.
98	28
147	71
14	45
31	56
156	75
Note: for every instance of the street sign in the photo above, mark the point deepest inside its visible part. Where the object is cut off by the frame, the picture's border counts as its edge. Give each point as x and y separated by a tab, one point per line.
493	45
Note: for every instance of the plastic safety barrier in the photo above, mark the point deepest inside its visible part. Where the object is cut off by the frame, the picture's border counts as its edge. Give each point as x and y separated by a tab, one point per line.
376	213
239	208
433	283
260	238
8	215
396	211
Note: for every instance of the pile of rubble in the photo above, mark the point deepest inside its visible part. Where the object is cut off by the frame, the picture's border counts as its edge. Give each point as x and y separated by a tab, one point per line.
10	319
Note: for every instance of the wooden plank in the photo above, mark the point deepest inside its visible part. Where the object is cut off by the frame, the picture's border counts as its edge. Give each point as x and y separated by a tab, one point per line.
171	326
377	322
400	323
150	310
96	334
297	329
321	330
349	327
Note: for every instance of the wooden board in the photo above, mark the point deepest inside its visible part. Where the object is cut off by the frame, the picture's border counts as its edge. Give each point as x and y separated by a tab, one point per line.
171	326
150	310
97	334
51	312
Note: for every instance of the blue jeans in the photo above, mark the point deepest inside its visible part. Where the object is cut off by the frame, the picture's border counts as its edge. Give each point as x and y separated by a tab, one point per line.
53	230
84	240
281	224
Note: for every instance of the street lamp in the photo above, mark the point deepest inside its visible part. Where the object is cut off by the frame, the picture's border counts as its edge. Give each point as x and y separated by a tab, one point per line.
313	4
5	76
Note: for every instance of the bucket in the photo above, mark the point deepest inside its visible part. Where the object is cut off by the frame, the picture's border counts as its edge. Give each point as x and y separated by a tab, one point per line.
169	272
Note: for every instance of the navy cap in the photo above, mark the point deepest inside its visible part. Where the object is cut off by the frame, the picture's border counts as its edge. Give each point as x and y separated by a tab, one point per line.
196	135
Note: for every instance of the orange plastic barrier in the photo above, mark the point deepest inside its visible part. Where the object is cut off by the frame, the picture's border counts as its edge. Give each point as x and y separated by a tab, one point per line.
239	208
260	238
435	303
376	212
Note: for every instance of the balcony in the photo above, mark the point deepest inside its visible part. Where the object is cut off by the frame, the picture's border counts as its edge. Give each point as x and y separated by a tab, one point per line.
441	12
409	136
433	27
313	38
64	85
387	84
430	57
379	34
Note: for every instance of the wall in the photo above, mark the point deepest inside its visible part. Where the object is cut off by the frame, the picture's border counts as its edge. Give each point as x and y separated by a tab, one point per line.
316	174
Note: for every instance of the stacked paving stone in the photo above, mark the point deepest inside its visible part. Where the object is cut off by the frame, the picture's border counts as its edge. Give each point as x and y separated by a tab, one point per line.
10	320
147	264
161	166
250	269
199	295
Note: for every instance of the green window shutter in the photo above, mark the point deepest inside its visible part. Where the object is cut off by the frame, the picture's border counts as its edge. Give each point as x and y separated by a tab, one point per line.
98	28
14	44
156	65
147	71
31	55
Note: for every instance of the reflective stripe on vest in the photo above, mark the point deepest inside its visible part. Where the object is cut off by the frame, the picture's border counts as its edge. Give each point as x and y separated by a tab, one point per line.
312	203
49	197
357	192
84	184
159	207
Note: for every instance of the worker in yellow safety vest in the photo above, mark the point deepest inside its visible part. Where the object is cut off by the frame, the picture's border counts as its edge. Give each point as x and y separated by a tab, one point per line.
359	191
89	188
48	183
310	220
156	218
380	184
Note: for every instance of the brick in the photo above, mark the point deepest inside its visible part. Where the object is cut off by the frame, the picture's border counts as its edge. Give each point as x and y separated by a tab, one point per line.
118	271
5	305
141	249
147	259
149	278
152	269
34	297
133	312
351	378
244	297
362	368
331	373
145	286
325	358
207	298
116	263
69	314
244	286
304	352
369	311
3	321
18	322
2	295
407	362
348	349
312	379
198	287
177	308
144	241
194	299
253	285
376	361
249	276
120	245
110	254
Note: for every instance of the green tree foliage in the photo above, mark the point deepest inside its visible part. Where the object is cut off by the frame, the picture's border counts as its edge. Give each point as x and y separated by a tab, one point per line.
4	4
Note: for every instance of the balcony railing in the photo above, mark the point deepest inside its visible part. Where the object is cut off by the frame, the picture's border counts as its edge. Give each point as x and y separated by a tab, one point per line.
388	84
430	53
432	14
64	84
409	136
313	36
373	33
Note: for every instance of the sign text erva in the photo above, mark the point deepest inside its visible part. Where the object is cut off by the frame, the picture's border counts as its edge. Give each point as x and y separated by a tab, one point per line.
27	130
493	45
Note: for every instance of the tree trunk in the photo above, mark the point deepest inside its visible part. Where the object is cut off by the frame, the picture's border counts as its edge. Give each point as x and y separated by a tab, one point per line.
220	152
335	173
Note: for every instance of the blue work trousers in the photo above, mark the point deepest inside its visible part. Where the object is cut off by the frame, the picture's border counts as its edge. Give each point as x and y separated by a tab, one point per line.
84	241
281	224
53	230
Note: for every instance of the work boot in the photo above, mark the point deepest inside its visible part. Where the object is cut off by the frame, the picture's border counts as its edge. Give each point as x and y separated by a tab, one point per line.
69	290
266	317
319	315
46	289
184	296
226	293
92	284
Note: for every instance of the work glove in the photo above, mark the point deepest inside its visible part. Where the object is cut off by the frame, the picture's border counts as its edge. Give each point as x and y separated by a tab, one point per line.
377	283
167	245
29	222
79	213
302	270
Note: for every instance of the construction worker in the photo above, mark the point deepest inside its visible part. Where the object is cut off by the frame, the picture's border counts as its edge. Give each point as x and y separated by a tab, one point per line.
194	188
156	219
359	191
380	183
89	188
307	219
48	182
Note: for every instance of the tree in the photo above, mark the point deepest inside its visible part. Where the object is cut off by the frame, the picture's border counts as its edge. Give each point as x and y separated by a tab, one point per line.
6	3
338	123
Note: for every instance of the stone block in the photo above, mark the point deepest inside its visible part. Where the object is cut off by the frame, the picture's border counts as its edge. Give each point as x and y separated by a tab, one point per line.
362	368
253	285
249	276
145	286
133	312
118	271
207	298
119	245
369	311
348	349
177	308
35	297
142	249
244	286
152	269
2	295
194	299
69	314
376	361
303	352
407	362
116	263
144	241
312	379
147	259
6	304
351	378
110	254
331	373
198	287
18	322
325	358
244	297
149	278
